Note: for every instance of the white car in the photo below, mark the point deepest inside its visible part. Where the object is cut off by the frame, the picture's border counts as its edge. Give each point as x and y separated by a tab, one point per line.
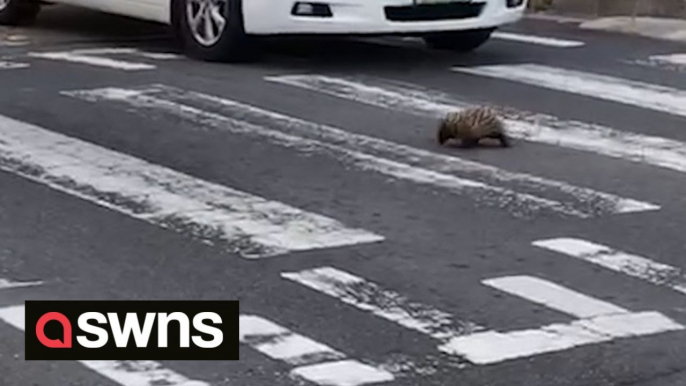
223	29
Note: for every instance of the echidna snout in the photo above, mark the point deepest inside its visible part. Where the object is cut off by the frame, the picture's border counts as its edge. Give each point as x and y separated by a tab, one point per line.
444	133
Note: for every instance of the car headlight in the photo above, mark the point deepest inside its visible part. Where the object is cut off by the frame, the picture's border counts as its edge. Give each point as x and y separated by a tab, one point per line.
514	3
311	9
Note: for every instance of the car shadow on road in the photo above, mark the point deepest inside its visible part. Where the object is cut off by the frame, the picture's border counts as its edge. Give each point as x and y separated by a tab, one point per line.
359	53
61	24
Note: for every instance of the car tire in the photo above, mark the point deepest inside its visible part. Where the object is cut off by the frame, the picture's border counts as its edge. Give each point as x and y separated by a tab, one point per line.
461	41
228	44
18	12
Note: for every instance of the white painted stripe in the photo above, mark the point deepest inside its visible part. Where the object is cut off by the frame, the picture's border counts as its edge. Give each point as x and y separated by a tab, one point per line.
125	373
343	373
644	95
318	363
14	316
8	284
518	203
93	60
126	51
4	65
628	264
159	55
655	151
279	343
598	322
676	63
554	296
244	223
393	98
675	59
383	303
15	41
105	51
540	40
493	347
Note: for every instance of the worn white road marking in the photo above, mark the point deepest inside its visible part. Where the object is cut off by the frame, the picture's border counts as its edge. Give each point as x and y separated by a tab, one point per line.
316	362
343	373
159	55
8	284
366	153
280	343
674	59
369	297
672	62
125	373
540	40
15	40
632	265
126	51
655	151
510	36
494	347
241	222
598	322
93	60
4	65
644	95
554	296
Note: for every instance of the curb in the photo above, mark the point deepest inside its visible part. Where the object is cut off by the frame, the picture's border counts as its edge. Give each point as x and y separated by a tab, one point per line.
653	27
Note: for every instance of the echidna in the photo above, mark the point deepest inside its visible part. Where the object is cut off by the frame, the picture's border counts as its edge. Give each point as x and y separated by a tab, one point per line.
471	125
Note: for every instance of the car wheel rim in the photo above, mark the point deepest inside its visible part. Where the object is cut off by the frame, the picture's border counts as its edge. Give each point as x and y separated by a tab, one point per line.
4	4
206	19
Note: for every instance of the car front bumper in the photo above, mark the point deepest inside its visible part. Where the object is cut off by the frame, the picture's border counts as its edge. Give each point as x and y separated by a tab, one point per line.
372	17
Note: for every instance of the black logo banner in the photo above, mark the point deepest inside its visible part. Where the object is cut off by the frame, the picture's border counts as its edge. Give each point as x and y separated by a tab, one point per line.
132	330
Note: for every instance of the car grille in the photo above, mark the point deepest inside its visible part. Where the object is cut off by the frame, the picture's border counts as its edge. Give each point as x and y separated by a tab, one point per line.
429	12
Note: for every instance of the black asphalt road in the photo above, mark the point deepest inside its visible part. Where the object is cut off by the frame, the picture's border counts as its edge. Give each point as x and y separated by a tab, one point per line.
438	246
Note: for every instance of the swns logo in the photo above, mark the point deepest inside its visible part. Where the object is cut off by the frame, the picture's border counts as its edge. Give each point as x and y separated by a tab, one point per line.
132	330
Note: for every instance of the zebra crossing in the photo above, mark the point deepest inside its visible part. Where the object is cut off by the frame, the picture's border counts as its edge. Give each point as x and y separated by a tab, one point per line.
532	127
257	227
339	144
237	221
598	321
592	322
